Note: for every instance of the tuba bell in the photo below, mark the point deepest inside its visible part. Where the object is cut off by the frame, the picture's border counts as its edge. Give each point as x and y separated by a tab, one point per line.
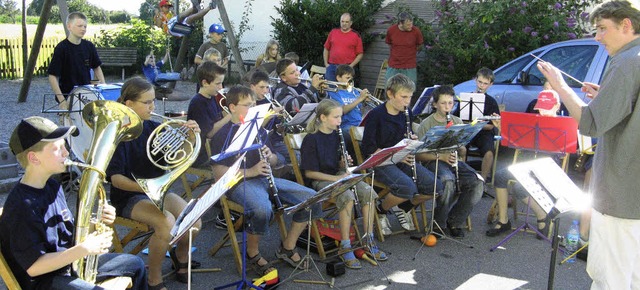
171	147
112	123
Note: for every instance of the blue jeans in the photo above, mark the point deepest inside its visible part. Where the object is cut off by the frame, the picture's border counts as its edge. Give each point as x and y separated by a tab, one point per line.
109	265
258	210
501	180
453	209
398	178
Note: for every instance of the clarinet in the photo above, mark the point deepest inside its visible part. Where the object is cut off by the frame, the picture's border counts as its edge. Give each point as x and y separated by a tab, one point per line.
413	164
455	165
273	190
345	156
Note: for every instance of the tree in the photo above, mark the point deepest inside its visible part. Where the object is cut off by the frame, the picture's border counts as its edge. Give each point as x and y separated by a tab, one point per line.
472	34
303	25
93	13
9	10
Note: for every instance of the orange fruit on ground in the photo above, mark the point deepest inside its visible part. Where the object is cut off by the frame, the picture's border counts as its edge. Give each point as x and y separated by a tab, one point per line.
429	240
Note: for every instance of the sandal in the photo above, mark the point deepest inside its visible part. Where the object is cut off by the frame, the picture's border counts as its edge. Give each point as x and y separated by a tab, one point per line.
377	253
261	270
544	230
157	287
286	256
180	277
349	259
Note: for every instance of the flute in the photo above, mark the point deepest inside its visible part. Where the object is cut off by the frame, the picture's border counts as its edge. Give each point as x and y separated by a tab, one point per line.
273	190
413	164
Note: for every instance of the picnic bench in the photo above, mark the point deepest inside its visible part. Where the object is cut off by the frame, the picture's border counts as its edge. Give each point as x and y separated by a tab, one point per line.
118	56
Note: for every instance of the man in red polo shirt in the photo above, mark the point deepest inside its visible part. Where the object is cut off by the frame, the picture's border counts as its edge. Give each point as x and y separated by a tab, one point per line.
404	41
343	46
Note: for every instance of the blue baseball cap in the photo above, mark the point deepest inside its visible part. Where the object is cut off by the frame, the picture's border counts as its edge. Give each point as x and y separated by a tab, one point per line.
217	28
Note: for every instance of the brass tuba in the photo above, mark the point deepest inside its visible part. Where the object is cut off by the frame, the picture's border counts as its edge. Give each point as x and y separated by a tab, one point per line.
171	146
112	123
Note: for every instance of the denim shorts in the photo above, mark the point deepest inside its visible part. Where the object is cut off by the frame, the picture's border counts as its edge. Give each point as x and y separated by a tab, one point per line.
128	208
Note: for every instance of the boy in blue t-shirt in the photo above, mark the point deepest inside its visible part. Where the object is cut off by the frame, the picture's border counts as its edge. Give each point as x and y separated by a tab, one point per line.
152	70
37	226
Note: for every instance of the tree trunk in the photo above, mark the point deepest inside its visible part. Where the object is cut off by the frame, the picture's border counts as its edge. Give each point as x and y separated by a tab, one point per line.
37	42
25	44
233	42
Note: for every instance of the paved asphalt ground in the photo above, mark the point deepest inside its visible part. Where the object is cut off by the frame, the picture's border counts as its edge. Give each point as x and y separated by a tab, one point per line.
522	263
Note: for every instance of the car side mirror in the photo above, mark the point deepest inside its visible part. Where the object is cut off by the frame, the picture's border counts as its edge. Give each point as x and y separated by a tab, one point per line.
523	78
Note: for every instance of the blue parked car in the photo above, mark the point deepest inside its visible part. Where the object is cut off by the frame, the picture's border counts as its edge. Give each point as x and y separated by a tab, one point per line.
519	81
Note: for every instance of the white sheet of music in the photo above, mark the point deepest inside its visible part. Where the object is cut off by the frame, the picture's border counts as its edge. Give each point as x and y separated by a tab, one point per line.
258	113
198	207
411	146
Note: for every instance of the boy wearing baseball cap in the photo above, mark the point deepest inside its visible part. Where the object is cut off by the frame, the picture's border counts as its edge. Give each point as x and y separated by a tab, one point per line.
216	32
37	226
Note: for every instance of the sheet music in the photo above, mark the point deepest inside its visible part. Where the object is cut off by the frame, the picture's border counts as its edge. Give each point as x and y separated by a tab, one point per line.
471	106
423	104
441	137
246	134
196	208
410	147
549	186
328	191
306	113
376	159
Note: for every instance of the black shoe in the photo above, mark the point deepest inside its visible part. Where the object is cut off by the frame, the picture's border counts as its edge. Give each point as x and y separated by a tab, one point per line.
457	233
221	223
502	228
582	255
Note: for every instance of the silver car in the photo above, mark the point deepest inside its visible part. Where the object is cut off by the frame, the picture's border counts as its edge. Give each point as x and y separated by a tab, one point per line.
519	81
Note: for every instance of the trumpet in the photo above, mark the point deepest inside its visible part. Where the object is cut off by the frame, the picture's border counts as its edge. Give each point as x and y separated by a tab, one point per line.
371	101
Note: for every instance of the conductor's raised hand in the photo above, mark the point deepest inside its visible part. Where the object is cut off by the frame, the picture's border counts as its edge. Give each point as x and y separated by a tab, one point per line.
552	74
591	89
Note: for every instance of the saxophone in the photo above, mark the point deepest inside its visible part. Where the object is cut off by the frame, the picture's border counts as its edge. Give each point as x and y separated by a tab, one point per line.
112	123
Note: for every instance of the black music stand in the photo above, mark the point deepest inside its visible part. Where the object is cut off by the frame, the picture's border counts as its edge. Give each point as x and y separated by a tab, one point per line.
242	141
554	191
539	134
440	139
332	190
471	106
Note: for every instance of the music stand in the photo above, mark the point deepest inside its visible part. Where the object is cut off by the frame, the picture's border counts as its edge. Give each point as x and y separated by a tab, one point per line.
332	190
196	208
424	103
537	133
554	191
471	106
440	139
306	113
242	141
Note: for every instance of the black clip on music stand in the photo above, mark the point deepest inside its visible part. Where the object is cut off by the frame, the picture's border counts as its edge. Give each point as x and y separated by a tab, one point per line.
440	139
554	191
196	208
332	190
539	134
242	141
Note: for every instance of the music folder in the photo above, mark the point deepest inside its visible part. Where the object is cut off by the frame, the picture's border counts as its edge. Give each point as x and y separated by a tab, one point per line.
550	186
197	207
441	137
328	191
378	158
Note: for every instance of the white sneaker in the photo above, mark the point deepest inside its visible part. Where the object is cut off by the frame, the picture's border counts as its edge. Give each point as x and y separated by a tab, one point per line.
384	225
404	218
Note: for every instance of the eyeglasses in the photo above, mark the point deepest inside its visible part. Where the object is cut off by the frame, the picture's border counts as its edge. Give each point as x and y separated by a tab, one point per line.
248	105
148	103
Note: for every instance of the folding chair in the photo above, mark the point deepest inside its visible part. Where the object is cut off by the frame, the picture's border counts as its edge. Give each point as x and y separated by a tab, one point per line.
233	227
317	70
381	83
7	275
293	143
137	231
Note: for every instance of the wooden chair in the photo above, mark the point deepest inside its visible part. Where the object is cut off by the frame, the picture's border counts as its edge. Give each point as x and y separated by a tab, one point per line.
381	83
137	231
202	174
317	70
293	142
357	134
232	227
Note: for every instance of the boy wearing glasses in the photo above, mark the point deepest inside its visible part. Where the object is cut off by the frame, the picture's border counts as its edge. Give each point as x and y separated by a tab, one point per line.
252	190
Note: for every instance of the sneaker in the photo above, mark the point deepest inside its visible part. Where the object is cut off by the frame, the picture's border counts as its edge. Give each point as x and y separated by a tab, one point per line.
221	223
384	225
404	218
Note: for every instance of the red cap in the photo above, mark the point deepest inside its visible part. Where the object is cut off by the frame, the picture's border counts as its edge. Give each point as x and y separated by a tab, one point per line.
547	99
165	3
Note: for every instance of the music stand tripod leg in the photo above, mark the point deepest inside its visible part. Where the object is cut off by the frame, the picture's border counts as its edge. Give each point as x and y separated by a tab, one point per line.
370	243
524	227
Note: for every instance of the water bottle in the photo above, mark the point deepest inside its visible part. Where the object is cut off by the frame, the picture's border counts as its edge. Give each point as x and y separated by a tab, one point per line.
572	240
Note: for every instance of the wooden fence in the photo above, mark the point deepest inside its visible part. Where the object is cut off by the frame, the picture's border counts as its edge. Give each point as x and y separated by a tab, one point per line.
11	57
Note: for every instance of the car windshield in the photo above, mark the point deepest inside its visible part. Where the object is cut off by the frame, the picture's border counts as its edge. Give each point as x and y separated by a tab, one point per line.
510	72
573	60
